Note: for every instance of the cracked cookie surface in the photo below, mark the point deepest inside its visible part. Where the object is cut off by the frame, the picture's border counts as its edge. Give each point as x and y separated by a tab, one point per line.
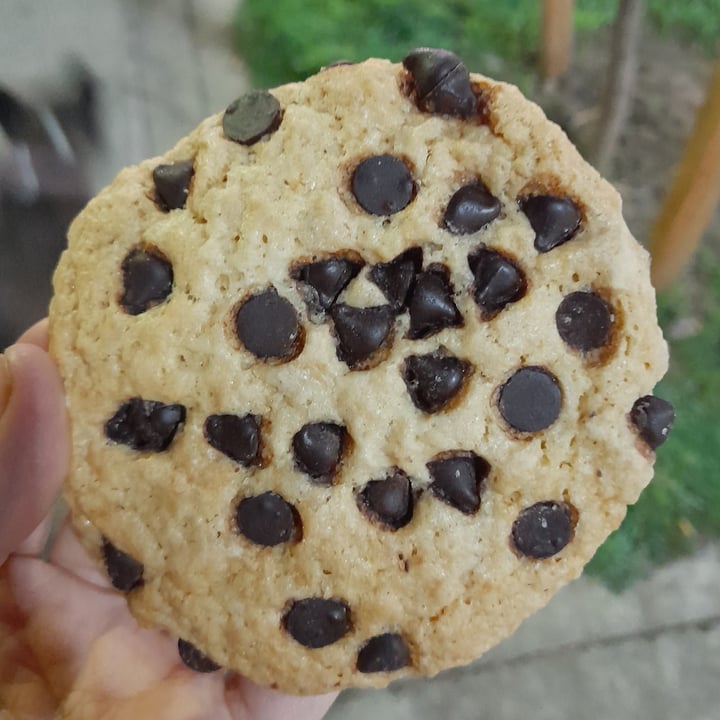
359	374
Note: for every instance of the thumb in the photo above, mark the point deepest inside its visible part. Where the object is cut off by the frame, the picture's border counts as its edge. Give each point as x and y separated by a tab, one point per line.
34	441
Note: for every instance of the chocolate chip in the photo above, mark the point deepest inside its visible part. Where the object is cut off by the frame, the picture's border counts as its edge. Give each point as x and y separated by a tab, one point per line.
457	479
396	278
269	327
442	82
194	659
383	653
145	425
235	436
434	380
317	622
554	219
318	449
361	332
543	529
172	184
147	280
583	320
325	279
383	185
531	399
124	571
653	418
431	305
268	519
252	116
498	281
470	209
388	502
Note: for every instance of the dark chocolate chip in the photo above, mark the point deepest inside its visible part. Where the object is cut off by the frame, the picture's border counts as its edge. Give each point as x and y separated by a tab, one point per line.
147	280
124	571
388	502
396	278
317	622
531	399
252	116
267	519
172	184
554	219
383	653
325	280
145	425
269	327
442	82
431	304
543	529
653	418
457	479
583	320
235	436
361	332
318	449
383	185
498	281
194	659
471	208
434	380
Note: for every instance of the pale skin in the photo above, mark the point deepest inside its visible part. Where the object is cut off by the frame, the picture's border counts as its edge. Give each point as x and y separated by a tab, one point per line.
68	645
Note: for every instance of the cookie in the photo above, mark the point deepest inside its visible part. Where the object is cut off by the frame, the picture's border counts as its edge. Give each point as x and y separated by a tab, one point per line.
360	373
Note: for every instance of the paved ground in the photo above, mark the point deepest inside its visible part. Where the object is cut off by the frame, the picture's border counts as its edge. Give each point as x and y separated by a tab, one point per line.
653	652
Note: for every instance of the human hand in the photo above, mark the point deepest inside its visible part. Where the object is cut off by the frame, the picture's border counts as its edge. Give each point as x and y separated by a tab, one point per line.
68	645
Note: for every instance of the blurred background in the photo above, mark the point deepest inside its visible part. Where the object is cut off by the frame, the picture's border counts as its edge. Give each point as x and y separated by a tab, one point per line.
89	86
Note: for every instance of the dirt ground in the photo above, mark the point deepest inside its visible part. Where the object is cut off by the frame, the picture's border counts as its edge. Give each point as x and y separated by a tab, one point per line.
671	85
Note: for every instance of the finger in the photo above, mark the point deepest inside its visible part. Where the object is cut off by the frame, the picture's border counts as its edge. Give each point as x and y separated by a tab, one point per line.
64	615
93	653
36	335
34	543
248	701
34	442
67	552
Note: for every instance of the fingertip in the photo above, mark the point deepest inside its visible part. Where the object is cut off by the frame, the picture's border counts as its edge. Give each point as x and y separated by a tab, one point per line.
245	698
34	442
36	335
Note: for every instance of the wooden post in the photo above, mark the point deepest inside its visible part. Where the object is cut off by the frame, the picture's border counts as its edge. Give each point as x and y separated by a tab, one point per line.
557	33
688	207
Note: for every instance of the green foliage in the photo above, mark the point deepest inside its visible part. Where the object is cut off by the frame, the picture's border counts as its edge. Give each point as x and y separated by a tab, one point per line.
592	14
286	40
290	39
694	20
681	507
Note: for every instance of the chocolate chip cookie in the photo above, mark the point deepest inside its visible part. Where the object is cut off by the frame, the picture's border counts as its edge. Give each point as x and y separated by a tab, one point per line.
359	375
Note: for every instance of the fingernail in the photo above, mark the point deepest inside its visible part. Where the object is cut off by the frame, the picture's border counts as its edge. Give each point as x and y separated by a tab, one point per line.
5	382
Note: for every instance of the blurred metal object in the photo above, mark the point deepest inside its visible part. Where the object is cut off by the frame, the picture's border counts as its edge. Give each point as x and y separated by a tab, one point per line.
43	184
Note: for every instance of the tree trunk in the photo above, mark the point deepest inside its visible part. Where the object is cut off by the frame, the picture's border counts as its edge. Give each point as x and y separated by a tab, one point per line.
620	84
